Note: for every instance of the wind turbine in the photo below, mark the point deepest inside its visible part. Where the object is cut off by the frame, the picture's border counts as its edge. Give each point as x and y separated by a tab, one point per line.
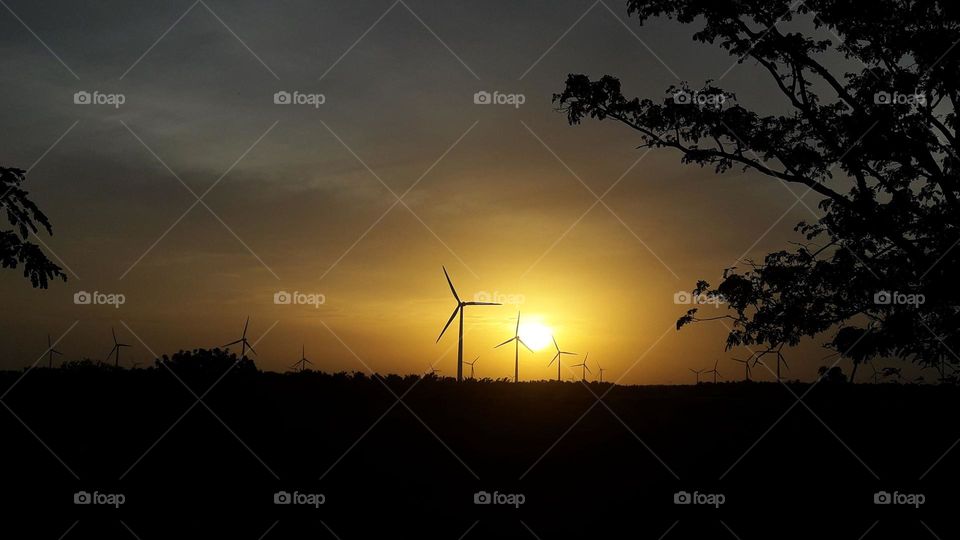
697	372
780	358
116	349
746	368
876	373
302	362
471	365
244	344
583	367
432	372
557	358
51	351
459	309
600	371
516	351
715	372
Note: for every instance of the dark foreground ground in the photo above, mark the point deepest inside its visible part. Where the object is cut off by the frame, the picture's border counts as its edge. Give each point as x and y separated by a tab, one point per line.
411	469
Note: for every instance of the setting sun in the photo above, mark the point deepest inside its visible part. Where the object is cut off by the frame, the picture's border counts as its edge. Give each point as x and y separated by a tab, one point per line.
535	335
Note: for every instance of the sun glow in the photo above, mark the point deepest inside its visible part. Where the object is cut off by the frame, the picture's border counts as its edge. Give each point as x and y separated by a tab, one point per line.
535	335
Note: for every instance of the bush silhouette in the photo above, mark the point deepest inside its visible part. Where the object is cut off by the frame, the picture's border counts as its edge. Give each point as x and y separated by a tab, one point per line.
206	362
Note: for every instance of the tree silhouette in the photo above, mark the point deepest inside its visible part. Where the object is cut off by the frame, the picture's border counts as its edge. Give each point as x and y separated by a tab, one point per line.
214	362
891	216
26	219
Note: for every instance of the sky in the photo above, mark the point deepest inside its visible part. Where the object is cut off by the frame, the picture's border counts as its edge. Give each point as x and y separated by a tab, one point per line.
198	198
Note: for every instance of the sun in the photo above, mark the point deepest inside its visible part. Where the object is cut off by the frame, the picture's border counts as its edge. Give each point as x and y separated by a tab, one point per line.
535	335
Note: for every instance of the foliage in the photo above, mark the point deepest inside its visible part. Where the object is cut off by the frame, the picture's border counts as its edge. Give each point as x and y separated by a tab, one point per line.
214	361
26	219
890	217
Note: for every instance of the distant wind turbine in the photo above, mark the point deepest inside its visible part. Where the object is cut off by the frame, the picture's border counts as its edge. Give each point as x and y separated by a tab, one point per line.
51	351
746	368
876	373
600	371
459	309
583	367
516	352
714	371
697	372
780	359
471	365
116	349
558	357
244	344
302	362
432	372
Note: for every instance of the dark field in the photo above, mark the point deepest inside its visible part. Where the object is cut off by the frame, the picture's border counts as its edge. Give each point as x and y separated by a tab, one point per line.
410	469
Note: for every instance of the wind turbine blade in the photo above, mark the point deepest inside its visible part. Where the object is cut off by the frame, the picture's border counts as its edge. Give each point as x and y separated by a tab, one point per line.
245	325
554	359
524	344
516	332
249	346
507	341
114	334
307	361
233	343
586	367
455	311
454	291
555	343
482	304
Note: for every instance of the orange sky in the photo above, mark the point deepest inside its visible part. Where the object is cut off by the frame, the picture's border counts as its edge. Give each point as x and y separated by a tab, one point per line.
507	202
